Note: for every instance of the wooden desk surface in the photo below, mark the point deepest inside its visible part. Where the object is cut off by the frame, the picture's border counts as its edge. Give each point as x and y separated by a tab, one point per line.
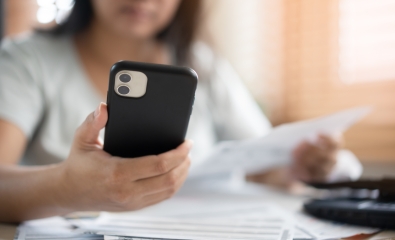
7	231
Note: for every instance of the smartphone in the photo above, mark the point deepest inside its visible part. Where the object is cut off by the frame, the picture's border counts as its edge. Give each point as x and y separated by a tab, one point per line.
149	106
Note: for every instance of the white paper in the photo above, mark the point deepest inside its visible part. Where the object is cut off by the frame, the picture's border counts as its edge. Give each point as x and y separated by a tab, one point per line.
200	220
49	229
231	218
275	148
321	229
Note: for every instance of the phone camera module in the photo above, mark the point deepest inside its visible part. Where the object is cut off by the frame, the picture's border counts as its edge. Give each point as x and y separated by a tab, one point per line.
132	84
123	90
125	78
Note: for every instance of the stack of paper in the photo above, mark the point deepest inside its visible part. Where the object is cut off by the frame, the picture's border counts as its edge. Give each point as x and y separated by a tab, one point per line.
51	228
321	229
193	218
214	221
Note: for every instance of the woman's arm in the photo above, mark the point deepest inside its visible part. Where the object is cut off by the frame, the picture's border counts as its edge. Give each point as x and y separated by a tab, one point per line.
89	179
30	192
23	188
12	143
238	117
237	114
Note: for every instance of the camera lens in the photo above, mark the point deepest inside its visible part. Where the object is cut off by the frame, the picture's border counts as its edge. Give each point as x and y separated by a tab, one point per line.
125	78
123	90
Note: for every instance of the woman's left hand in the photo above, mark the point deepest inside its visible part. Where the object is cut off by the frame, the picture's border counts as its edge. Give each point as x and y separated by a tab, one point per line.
310	163
314	162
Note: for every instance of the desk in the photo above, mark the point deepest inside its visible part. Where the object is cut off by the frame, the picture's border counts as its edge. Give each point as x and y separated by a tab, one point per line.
249	192
252	193
7	231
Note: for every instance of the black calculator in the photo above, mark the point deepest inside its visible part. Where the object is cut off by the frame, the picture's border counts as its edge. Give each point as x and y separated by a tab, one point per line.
364	212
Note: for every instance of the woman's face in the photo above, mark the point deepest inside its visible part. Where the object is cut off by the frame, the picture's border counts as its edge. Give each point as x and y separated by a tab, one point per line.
135	18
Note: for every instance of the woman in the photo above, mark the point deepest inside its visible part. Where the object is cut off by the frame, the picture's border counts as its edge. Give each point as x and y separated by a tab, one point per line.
50	82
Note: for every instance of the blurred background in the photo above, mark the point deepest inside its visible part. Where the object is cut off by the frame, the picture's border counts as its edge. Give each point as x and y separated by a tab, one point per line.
300	58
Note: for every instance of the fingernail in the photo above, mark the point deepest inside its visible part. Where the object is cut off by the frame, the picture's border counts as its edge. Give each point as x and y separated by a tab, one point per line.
97	111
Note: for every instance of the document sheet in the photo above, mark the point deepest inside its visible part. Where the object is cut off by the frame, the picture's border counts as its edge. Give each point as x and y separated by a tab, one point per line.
193	218
50	229
322	229
197	220
275	148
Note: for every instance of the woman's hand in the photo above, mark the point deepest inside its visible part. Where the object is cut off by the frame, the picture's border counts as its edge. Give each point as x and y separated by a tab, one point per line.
314	162
91	179
94	180
310	163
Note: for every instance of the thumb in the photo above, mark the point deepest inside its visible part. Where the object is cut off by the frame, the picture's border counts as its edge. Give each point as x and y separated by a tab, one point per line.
87	135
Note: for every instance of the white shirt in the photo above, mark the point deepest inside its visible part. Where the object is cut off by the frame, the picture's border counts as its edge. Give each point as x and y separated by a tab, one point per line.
45	91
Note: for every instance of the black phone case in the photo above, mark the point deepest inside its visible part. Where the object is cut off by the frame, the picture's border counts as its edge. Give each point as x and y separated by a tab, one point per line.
156	122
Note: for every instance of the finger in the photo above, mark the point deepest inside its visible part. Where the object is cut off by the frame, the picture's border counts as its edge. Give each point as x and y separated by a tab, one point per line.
181	151
299	162
169	183
87	135
156	198
312	163
302	156
171	180
300	149
160	196
328	142
300	173
313	156
321	160
151	166
321	172
320	166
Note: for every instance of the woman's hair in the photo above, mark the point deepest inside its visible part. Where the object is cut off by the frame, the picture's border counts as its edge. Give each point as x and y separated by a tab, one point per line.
178	35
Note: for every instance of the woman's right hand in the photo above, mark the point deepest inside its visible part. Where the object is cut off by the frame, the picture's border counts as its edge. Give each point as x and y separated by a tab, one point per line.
91	179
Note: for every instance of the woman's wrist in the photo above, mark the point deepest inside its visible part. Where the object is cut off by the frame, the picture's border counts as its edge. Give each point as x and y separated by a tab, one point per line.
52	195
33	192
278	177
64	194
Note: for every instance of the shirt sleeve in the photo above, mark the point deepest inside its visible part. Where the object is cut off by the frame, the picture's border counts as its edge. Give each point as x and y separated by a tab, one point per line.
347	167
21	98
236	114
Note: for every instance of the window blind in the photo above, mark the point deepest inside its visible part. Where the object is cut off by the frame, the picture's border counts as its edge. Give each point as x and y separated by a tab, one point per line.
366	40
